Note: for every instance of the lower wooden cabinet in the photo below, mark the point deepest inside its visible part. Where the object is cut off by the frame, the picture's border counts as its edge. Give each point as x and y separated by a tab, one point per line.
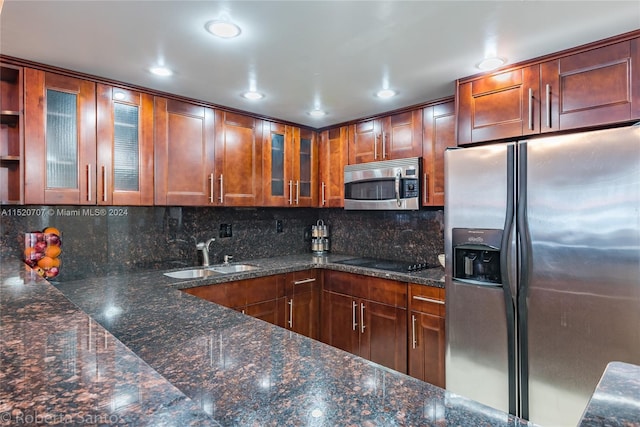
262	297
427	334
303	302
398	325
366	316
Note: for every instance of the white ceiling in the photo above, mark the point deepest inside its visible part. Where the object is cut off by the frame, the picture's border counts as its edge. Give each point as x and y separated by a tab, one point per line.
302	54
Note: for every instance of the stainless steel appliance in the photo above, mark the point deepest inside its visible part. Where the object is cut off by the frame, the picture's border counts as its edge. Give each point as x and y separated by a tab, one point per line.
542	245
384	185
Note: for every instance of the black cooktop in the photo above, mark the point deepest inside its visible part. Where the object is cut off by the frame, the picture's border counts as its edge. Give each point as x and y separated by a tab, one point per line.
385	264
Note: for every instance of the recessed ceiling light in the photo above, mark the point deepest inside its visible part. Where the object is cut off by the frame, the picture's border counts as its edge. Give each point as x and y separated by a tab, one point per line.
119	95
317	113
386	93
490	63
223	29
161	71
252	95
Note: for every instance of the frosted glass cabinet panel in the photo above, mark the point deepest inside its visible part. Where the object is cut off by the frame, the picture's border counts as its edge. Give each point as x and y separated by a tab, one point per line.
60	139
125	147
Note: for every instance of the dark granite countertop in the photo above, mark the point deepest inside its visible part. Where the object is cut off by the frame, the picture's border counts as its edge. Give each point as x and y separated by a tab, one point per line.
616	400
169	358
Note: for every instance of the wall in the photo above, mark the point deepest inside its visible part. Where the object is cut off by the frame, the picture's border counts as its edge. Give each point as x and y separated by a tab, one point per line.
102	241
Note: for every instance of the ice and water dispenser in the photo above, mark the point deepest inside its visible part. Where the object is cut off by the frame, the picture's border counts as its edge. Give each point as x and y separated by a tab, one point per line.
476	255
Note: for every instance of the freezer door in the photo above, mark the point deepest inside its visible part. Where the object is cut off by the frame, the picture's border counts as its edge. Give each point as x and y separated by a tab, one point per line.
583	297
477	352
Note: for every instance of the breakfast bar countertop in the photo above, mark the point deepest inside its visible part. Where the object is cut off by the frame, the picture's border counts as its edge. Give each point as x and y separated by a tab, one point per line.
133	347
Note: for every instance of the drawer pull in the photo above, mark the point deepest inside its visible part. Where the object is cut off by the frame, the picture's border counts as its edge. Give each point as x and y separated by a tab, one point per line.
425	299
414	342
300	282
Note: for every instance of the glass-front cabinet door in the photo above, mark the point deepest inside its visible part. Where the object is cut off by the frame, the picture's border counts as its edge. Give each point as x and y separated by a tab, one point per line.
125	147
60	139
305	168
277	179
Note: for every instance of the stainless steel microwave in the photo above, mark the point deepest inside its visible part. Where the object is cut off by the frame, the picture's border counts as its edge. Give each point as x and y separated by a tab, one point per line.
384	185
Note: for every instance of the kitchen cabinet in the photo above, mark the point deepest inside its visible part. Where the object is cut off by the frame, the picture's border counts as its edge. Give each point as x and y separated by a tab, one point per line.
498	106
594	86
395	136
262	297
597	87
334	155
184	153
303	302
238	160
427	338
439	133
59	139
125	147
366	316
290	166
11	135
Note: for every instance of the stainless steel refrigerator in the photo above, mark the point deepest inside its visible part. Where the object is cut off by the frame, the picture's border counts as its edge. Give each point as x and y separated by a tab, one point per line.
542	247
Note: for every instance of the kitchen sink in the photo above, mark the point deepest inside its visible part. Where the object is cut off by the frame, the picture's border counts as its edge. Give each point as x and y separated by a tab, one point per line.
199	272
193	273
233	268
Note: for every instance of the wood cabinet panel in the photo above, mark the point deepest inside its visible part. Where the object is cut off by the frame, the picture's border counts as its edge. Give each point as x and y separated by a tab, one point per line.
303	302
590	88
427	340
368	317
363	142
11	135
271	311
110	161
77	158
238	160
333	156
499	106
184	153
439	126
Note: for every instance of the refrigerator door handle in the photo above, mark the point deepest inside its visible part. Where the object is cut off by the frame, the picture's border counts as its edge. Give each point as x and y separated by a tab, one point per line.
523	287
506	282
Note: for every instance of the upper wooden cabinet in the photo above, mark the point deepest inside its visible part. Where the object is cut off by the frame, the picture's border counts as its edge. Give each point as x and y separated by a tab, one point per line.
60	139
11	135
184	154
334	154
395	136
238	160
439	133
125	147
290	166
499	106
594	87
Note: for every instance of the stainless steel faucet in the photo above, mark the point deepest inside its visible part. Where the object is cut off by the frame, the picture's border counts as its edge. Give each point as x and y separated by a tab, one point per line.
204	247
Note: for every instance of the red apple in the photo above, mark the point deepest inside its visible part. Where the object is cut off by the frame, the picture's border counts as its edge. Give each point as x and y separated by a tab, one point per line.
53	239
40	246
52	272
31	262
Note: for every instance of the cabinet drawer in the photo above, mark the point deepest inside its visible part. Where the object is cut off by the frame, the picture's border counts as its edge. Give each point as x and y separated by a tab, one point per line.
427	299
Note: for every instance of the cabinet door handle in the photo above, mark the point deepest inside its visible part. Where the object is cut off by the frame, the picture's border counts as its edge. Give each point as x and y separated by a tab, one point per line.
104	183
530	109
375	147
355	323
221	189
89	185
323	198
548	93
297	192
414	342
425	188
362	318
211	188
290	192
384	145
300	282
290	321
425	299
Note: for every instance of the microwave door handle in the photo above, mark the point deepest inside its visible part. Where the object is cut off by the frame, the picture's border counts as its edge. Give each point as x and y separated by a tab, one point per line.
398	189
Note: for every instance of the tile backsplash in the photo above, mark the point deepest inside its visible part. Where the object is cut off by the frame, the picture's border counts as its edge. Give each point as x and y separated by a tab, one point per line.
102	241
